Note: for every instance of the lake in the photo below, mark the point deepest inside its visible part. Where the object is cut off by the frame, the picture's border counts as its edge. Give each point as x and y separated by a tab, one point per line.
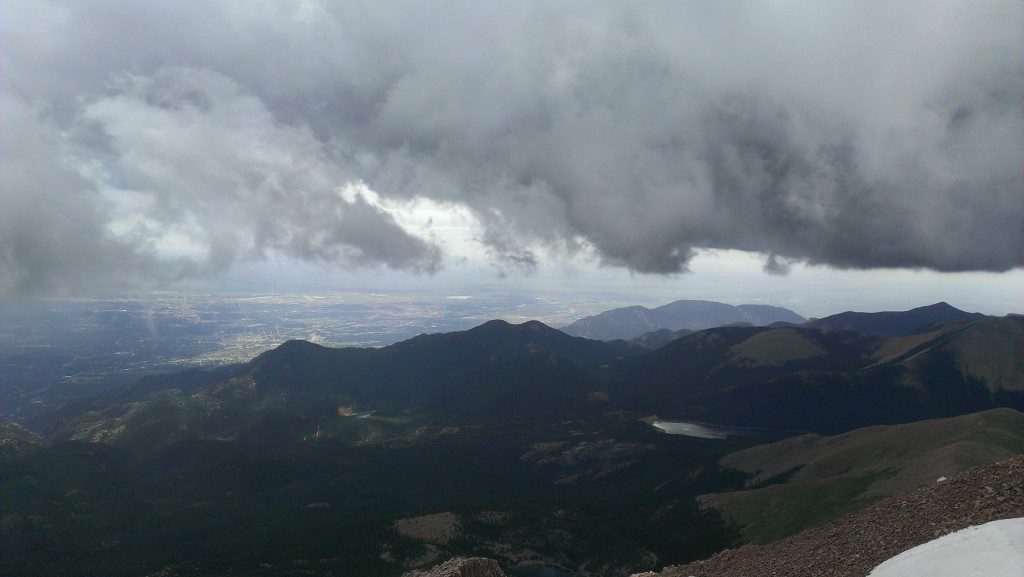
703	431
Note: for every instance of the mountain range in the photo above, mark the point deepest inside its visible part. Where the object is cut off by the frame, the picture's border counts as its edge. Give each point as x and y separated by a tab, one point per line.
792	378
828	380
631	322
651	328
893	323
517	442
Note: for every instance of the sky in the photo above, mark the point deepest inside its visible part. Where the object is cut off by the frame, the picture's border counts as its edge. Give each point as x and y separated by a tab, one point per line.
851	154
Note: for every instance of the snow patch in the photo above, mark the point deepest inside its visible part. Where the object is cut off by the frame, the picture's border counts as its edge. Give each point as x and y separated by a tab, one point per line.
995	549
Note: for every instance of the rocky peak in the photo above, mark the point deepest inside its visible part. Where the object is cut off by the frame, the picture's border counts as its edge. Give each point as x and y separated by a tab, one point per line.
462	567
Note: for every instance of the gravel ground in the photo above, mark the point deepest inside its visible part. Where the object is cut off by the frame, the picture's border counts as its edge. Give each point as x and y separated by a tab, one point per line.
853	545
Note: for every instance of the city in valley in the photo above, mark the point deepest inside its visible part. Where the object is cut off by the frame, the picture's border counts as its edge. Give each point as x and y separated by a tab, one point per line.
56	349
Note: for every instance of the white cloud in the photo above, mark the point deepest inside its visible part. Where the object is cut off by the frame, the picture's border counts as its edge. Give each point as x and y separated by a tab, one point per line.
635	136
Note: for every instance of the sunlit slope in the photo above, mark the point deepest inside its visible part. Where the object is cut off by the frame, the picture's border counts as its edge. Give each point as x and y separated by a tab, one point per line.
806	480
988	348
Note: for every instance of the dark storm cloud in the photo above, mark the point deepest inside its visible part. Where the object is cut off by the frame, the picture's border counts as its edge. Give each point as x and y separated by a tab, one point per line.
848	134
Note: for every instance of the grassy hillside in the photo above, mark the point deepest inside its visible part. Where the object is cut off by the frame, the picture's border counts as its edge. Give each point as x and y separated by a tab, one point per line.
803	481
991	349
827	381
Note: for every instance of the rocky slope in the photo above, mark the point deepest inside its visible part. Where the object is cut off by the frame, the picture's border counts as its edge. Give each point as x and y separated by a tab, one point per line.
462	567
853	545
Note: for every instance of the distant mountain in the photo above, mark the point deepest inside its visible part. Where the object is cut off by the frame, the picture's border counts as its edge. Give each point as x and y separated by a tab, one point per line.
630	322
806	480
659	338
892	323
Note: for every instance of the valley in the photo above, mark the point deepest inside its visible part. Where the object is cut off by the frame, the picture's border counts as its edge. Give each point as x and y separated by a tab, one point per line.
53	350
516	442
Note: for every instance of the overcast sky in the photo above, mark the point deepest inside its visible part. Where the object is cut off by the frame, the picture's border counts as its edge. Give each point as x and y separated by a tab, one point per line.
770	144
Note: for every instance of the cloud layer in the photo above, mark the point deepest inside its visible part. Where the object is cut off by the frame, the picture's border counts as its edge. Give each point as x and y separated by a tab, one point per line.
152	141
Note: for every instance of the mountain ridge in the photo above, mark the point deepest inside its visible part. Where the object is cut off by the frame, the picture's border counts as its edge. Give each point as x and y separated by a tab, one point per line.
494	368
893	323
631	322
789	377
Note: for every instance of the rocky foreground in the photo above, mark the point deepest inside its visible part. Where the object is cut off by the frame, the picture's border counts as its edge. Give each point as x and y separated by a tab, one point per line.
855	544
850	546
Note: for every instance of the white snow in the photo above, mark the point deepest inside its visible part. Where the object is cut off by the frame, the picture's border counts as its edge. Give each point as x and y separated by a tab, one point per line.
995	549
